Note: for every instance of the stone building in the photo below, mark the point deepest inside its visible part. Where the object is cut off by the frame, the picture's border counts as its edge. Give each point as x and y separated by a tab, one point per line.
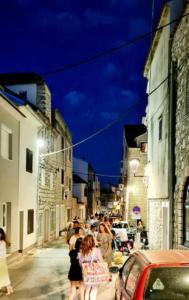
93	204
54	203
156	70
160	133
86	188
180	127
135	191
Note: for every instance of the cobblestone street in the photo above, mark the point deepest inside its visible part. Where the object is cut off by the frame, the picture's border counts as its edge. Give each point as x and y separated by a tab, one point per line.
43	275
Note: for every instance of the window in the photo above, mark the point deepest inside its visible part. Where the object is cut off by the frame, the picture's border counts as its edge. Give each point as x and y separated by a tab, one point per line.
62	193
132	279
187	96
67	181
62	143
69	215
6	142
51	181
160	127
70	154
30	221
167	283
86	191
43	177
29	161
186	215
62	176
127	267
70	184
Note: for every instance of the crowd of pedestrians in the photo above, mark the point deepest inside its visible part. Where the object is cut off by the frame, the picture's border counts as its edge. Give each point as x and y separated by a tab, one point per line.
88	242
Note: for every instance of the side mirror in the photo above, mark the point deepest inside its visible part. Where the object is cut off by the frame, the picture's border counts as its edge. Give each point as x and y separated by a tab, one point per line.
114	269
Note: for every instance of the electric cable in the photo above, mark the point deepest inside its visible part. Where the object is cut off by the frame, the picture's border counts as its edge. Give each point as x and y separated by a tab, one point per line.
111	50
94	134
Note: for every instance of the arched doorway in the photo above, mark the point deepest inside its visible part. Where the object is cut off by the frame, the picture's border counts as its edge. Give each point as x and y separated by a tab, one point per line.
186	214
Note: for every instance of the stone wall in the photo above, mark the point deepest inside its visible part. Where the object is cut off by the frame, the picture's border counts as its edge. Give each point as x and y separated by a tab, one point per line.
180	55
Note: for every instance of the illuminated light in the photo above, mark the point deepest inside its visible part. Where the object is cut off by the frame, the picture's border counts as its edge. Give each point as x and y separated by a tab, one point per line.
40	143
134	164
131	189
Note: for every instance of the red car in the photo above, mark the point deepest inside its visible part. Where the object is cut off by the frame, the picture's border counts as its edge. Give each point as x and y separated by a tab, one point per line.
154	275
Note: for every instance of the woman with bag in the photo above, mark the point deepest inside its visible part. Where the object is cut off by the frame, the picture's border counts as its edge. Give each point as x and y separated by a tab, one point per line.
94	272
4	275
104	239
75	272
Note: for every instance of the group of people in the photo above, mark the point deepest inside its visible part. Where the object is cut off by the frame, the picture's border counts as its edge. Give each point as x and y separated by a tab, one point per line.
4	275
91	242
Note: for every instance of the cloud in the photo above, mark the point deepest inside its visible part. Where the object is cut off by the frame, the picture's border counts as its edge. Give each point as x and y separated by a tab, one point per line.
74	98
96	18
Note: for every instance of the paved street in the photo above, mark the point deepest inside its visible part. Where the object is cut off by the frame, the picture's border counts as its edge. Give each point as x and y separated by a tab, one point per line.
43	275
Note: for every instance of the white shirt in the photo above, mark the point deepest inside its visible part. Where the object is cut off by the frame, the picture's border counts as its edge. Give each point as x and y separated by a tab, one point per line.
123	235
2	249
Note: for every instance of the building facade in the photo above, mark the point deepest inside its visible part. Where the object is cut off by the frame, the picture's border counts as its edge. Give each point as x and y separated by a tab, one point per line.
54	175
180	108
134	190
18	173
159	119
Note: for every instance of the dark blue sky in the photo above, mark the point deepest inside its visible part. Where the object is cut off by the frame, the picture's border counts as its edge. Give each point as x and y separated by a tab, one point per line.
43	35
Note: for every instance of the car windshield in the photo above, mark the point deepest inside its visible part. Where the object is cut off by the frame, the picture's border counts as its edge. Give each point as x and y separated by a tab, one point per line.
170	283
120	225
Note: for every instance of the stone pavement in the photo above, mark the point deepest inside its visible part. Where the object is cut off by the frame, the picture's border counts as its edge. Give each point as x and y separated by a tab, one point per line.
42	274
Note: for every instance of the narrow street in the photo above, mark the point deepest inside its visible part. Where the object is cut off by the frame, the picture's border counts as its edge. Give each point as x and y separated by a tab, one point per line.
43	275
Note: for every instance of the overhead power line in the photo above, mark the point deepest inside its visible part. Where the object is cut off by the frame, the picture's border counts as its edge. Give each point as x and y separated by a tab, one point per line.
111	50
95	133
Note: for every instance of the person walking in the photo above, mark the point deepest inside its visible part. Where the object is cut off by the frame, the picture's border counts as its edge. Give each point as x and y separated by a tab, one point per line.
78	233
104	240
4	275
89	253
75	272
71	230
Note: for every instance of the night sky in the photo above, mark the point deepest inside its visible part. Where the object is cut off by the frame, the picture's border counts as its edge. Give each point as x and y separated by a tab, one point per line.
44	35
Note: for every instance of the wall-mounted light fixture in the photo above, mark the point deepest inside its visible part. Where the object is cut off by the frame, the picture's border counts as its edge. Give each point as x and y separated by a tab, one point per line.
40	143
134	164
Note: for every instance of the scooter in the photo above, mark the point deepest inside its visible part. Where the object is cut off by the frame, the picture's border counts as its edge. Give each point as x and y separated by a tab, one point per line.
123	247
144	240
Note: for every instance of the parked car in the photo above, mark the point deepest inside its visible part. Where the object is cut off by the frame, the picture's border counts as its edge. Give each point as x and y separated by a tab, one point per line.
120	225
154	275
